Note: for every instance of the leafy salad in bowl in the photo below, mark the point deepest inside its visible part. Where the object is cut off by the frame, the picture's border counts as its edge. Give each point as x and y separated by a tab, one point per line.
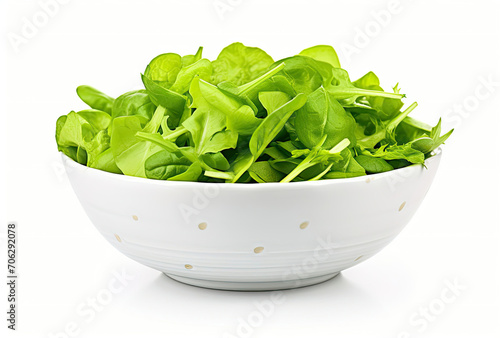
245	118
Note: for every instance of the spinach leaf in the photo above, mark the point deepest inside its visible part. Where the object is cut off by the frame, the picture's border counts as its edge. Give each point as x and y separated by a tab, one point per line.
168	77
263	172
437	138
242	121
78	127
411	129
170	100
273	100
188	60
306	74
373	165
69	151
239	118
215	161
322	116
246	90
322	53
264	134
105	161
204	161
273	124
83	136
346	168
396	152
164	69
275	153
96	146
345	91
386	108
207	131
164	165
135	103
130	152
95	99
240	64
421	136
201	69
191	174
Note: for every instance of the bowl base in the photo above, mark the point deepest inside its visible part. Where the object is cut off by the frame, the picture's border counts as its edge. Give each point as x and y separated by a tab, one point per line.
252	286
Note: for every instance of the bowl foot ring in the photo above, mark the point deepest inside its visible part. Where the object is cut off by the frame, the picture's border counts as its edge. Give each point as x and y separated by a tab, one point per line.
252	286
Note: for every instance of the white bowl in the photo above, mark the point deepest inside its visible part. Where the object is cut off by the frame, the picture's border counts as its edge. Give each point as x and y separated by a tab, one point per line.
251	236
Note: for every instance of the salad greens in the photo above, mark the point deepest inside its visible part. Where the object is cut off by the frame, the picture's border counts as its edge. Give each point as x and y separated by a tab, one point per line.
246	118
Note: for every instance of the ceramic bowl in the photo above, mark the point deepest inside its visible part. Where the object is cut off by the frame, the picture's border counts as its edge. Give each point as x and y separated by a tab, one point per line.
251	236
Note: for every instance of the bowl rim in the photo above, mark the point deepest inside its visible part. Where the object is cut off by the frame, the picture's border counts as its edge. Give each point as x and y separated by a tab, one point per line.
435	156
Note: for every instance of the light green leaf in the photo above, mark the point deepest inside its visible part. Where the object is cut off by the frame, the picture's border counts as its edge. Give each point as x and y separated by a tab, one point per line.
95	99
322	53
240	64
130	152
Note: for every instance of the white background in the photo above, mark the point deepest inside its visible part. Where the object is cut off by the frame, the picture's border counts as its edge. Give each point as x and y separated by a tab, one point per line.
441	53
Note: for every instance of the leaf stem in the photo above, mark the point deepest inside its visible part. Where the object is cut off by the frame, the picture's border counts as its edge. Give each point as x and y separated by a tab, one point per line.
243	89
311	159
340	146
323	173
176	133
397	120
219	174
298	170
341	93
